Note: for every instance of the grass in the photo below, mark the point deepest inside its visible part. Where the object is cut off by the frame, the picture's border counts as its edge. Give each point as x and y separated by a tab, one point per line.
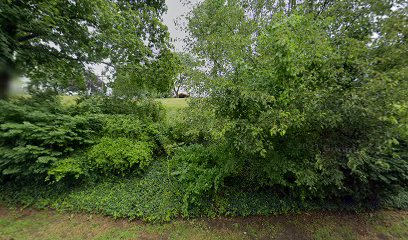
173	103
30	224
68	100
173	106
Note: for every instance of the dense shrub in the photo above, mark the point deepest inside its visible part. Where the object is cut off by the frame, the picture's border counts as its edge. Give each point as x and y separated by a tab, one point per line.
201	170
303	109
309	110
143	109
36	133
119	156
129	126
40	136
110	157
397	201
127	146
155	196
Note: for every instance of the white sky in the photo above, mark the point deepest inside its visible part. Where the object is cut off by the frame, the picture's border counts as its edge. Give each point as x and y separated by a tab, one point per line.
177	10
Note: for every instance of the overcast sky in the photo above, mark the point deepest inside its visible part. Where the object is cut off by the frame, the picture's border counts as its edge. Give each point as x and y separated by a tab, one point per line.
176	10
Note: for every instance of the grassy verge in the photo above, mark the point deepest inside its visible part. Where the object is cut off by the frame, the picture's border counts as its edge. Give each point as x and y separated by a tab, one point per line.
30	224
173	106
69	100
173	103
168	103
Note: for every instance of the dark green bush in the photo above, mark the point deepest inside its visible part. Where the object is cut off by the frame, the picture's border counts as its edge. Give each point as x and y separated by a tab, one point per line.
129	126
110	157
126	147
201	169
325	122
155	196
36	133
40	136
397	201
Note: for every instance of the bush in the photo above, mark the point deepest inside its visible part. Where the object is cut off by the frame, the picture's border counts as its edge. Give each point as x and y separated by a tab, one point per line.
339	164
143	109
201	170
35	136
128	126
126	147
155	196
397	201
110	157
303	118
40	137
119	156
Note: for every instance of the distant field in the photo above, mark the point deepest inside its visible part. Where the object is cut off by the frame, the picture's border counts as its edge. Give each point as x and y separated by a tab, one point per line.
69	100
173	103
168	103
29	224
173	106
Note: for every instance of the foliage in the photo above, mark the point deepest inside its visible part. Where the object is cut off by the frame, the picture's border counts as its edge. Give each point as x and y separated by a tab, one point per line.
156	196
151	79
305	107
120	156
40	137
397	201
201	170
52	42
310	106
143	109
34	138
153	197
110	157
188	76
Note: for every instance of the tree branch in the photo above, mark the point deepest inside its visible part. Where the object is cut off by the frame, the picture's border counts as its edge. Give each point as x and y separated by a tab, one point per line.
28	37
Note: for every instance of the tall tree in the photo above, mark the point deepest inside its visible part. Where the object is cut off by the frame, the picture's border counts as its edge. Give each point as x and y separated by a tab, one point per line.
147	79
314	93
52	41
188	75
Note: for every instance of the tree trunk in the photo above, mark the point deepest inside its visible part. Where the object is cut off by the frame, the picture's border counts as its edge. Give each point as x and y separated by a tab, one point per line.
5	78
8	65
176	91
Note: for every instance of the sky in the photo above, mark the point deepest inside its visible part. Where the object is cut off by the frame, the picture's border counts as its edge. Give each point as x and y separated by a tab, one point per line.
176	10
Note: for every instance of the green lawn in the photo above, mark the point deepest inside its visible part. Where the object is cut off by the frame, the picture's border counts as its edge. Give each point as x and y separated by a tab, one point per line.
69	100
173	103
30	224
173	106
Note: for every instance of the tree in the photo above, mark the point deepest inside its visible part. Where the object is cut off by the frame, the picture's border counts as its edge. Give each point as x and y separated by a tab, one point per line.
150	78
313	93
94	84
51	42
187	72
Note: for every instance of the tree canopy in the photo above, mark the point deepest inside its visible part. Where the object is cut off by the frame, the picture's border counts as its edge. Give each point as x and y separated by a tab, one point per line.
313	93
54	42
